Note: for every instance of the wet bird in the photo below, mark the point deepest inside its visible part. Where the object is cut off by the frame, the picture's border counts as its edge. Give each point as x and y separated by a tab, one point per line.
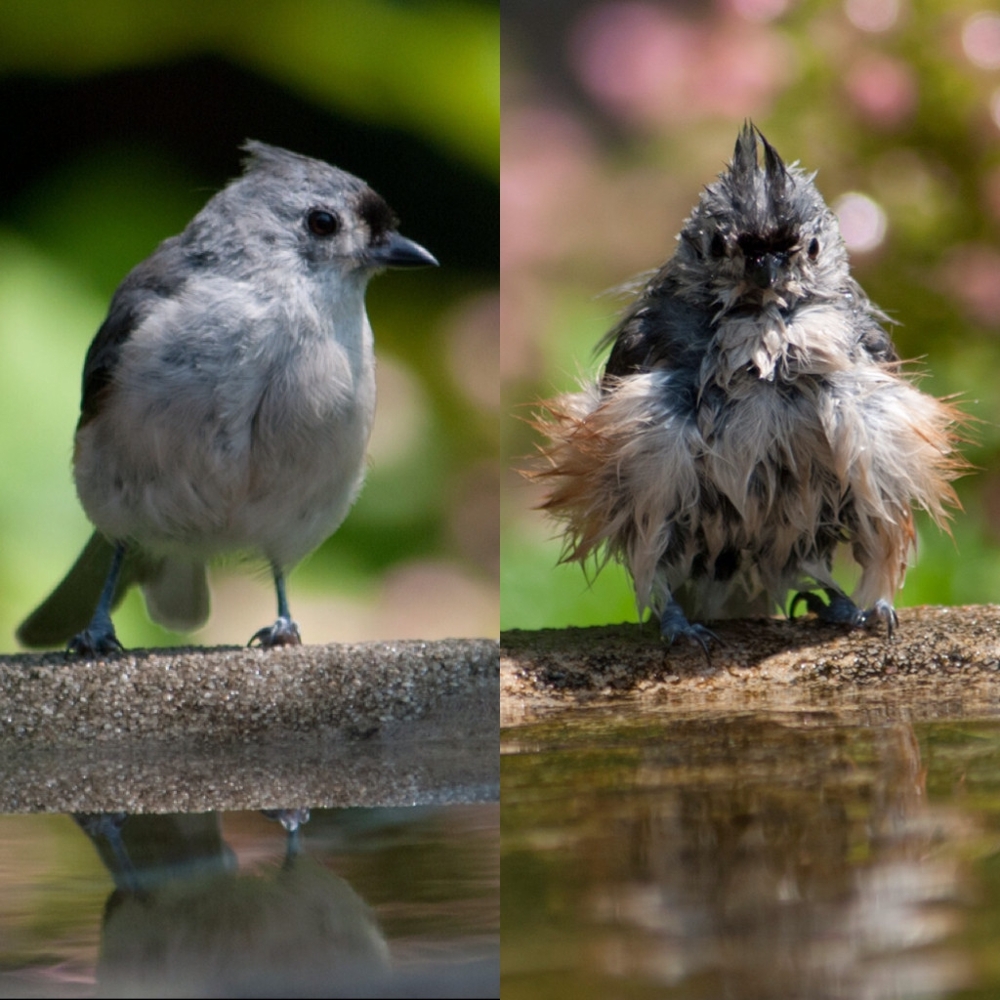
753	414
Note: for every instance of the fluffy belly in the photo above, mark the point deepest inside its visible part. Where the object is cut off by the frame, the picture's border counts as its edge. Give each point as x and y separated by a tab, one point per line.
183	481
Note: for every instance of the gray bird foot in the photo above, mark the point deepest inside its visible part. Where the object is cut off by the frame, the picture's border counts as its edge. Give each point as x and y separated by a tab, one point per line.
674	625
93	642
841	610
284	632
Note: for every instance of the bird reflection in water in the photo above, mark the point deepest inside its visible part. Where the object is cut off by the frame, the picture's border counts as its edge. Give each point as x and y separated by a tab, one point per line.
183	919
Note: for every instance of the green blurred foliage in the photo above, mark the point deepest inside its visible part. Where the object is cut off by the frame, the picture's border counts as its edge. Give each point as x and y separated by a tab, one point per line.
423	75
432	67
599	169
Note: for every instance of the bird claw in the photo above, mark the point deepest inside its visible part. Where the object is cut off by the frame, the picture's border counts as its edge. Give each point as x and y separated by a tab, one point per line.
674	625
94	642
883	611
841	610
284	632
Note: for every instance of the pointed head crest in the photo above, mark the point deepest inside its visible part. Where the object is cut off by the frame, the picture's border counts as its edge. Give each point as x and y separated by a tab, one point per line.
759	201
757	192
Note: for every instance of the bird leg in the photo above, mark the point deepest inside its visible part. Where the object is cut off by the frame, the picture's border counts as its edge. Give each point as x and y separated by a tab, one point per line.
99	638
284	632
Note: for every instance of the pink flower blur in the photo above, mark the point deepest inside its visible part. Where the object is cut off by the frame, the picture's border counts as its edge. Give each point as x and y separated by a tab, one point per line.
981	40
873	15
646	64
883	89
972	274
546	163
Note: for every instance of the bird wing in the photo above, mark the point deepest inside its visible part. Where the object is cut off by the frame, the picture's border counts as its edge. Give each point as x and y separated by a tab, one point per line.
160	276
662	330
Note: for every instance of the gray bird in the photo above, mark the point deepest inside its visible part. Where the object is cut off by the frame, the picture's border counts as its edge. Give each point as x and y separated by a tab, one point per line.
752	416
228	398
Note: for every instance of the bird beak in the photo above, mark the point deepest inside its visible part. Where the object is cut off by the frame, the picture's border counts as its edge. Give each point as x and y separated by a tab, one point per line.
398	251
763	271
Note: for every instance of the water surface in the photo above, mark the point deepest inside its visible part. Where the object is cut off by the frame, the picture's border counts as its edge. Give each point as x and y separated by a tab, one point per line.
362	901
750	855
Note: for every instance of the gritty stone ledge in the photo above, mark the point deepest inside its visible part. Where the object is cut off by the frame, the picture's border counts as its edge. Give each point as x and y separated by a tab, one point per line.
942	661
386	723
233	693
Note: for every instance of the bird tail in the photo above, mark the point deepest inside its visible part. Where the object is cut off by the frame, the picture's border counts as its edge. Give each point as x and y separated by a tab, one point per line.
176	593
68	609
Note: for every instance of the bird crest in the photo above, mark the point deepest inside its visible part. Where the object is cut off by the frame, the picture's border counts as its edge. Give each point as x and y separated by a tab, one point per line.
758	193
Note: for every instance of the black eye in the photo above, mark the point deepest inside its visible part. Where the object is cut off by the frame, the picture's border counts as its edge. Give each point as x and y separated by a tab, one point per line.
813	248
718	246
322	223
